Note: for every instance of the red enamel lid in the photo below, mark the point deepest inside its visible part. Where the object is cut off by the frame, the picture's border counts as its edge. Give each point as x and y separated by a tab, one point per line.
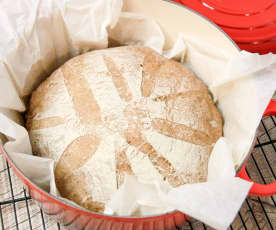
250	23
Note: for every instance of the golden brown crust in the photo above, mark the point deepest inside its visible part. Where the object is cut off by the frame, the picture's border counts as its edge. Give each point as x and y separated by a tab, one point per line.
135	138
200	101
40	100
76	155
163	81
123	166
118	79
45	123
83	99
73	188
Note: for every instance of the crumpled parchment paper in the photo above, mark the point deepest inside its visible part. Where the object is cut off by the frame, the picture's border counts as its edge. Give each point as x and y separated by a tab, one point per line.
41	35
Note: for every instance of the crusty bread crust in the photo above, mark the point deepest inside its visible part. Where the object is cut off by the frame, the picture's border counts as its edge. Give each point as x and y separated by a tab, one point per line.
125	110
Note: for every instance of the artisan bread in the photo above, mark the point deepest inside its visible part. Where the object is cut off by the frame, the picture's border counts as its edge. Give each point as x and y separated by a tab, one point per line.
118	111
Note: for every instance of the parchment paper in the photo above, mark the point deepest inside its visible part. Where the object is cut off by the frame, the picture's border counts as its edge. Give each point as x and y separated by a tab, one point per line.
41	35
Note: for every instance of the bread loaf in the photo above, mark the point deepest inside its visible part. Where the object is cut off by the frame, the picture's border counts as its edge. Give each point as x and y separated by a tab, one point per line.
118	111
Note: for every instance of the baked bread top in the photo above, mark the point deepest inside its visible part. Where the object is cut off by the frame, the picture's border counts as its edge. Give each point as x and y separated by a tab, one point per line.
118	111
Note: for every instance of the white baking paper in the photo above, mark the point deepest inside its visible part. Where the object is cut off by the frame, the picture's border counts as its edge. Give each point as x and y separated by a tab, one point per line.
41	35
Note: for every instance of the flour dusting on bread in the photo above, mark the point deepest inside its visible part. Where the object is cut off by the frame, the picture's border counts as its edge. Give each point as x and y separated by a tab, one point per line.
119	111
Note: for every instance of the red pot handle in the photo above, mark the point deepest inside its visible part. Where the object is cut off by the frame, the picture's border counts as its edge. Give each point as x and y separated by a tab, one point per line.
261	189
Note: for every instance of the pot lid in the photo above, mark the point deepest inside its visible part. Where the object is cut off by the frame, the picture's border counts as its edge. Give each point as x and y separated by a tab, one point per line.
250	23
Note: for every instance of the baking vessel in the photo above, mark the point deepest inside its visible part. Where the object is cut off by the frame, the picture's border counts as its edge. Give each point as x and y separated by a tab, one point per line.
80	218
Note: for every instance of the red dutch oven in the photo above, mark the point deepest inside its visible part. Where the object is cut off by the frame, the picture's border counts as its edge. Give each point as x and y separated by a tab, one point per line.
80	218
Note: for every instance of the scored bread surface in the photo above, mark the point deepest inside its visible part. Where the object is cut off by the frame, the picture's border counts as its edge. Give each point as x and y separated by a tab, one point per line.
118	111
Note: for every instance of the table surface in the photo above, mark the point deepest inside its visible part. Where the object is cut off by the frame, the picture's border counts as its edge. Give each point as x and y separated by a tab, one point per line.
256	213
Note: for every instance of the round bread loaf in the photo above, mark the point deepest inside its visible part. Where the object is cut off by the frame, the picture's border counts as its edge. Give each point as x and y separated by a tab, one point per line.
118	111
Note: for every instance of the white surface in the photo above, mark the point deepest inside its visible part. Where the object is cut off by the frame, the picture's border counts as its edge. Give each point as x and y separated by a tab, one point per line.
39	35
